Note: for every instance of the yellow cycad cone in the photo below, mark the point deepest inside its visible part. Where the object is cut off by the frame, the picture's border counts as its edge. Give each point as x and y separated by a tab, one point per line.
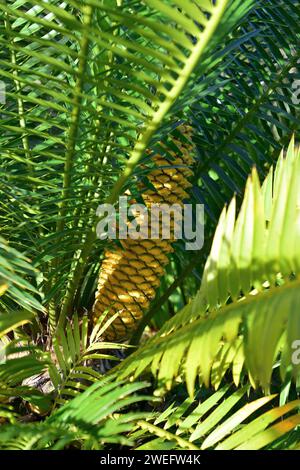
130	276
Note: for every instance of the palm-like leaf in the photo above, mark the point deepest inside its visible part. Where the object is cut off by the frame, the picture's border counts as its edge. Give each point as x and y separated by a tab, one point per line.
14	269
88	87
75	351
214	423
20	363
250	286
87	419
254	111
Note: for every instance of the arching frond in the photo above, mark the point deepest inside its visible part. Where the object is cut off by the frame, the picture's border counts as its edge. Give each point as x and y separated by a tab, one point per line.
76	352
244	112
87	420
15	290
254	108
250	286
220	422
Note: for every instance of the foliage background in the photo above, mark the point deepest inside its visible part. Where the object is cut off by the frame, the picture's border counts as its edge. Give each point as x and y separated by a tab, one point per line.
88	90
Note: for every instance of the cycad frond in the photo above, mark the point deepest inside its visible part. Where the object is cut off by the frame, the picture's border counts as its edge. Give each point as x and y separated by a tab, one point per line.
76	350
215	423
15	290
19	364
250	286
254	108
87	420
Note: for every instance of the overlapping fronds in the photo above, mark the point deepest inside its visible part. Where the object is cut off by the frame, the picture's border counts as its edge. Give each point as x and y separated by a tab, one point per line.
221	422
20	361
46	381
91	95
75	351
246	109
15	290
87	421
87	85
250	286
254	110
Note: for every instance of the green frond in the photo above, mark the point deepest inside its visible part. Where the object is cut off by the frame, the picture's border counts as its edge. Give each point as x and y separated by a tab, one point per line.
217	423
20	364
15	289
254	113
77	354
87	419
250	287
9	321
245	87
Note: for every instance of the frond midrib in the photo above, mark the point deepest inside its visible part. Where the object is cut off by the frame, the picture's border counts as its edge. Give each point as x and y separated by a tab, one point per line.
173	338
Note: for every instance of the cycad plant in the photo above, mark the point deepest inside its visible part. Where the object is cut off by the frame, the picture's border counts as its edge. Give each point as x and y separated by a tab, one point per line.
163	101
